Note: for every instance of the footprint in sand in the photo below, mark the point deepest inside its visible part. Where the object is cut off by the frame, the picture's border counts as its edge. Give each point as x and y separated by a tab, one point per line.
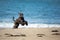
56	34
40	35
54	31
0	35
11	35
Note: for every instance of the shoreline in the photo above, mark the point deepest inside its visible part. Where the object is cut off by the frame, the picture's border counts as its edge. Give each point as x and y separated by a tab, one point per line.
10	25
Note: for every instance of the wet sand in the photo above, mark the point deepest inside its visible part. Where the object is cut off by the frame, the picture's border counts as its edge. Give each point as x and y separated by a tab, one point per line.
30	34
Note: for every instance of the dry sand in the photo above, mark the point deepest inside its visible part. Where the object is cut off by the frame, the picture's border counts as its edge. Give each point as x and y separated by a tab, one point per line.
30	34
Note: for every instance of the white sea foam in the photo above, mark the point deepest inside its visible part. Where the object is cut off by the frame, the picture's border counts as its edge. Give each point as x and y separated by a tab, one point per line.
10	25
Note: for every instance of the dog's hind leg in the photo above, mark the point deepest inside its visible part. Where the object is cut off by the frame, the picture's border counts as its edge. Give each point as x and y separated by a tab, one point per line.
16	26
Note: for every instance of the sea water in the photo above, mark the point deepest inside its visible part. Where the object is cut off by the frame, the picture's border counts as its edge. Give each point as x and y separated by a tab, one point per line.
35	11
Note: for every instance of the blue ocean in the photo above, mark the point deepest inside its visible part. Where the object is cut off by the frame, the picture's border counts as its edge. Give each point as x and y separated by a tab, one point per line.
35	11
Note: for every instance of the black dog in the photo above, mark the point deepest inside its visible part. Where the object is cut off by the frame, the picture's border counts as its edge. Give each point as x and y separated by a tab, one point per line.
20	20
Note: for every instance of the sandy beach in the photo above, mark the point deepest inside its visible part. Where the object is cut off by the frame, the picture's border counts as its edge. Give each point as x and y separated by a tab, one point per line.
30	34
